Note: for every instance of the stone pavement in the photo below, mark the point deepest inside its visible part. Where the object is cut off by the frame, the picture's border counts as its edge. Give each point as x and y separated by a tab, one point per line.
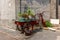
10	34
45	35
4	36
7	33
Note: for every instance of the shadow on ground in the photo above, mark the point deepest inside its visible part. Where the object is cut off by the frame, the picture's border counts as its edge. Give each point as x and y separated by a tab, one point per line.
44	35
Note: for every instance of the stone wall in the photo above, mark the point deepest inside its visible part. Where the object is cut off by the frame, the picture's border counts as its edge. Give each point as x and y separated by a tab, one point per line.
17	8
53	9
7	13
7	9
38	6
10	9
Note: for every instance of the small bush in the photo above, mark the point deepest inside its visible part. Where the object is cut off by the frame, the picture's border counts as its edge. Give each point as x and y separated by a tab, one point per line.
48	24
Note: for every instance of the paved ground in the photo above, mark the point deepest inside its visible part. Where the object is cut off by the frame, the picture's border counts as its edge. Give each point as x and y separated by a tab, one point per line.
8	34
4	36
46	35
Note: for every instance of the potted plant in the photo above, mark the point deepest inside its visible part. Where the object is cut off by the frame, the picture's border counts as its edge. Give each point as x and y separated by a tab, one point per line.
30	12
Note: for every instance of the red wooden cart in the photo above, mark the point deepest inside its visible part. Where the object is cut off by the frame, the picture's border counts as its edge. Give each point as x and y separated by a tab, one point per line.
32	23
26	27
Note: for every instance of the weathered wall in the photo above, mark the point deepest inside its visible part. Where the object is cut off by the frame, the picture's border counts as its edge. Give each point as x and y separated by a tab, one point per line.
7	9
17	8
10	9
53	9
59	11
38	6
7	12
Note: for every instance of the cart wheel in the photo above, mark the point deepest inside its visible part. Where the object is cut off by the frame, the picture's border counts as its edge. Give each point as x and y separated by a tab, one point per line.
28	31
41	28
18	28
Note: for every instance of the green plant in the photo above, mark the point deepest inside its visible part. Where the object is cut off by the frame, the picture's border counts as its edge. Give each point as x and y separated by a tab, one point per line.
30	12
48	24
27	13
19	14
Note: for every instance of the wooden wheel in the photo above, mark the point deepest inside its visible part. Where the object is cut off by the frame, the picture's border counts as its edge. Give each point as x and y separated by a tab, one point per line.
18	28
28	30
